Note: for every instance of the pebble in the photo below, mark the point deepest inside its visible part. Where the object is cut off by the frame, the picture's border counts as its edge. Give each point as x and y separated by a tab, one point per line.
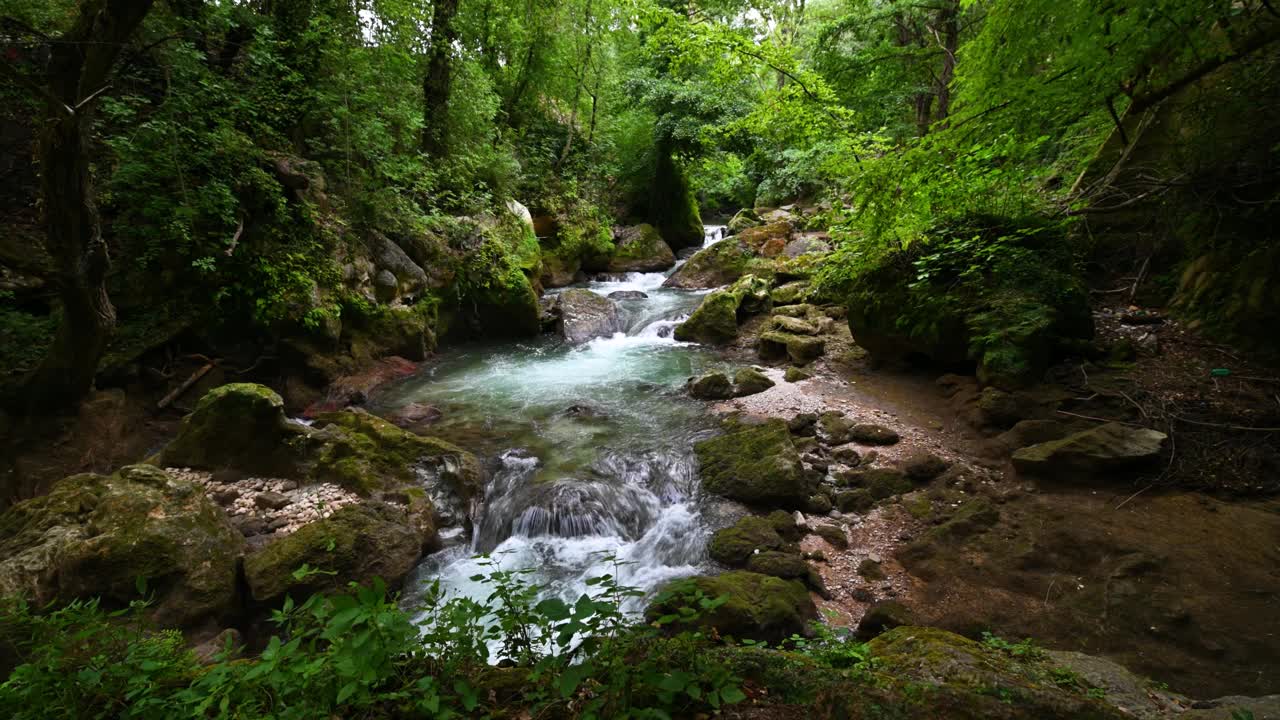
257	506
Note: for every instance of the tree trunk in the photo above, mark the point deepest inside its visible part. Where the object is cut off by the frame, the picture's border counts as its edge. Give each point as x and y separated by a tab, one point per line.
79	65
947	32
436	84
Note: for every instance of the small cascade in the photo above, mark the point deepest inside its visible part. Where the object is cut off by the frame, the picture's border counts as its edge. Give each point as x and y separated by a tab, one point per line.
597	461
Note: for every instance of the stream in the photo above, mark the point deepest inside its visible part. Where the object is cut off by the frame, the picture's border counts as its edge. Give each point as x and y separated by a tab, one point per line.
588	450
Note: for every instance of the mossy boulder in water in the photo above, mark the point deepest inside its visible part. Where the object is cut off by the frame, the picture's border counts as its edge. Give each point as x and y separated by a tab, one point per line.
756	464
367	454
241	426
640	248
758	607
720	264
583	315
711	386
357	543
98	536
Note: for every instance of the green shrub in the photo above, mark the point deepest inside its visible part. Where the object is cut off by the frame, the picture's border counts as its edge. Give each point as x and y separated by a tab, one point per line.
360	654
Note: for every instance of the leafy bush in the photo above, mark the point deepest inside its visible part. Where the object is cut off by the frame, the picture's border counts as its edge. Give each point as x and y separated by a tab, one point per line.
362	655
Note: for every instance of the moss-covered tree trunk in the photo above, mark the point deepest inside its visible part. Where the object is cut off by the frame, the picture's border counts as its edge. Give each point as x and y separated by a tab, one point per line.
672	206
436	84
79	66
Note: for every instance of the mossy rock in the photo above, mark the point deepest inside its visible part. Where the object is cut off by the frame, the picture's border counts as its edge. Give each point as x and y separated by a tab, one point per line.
720	264
734	545
775	346
833	534
785	565
923	465
761	237
794	326
972	518
98	536
357	543
880	483
742	220
714	321
859	500
367	454
945	675
711	386
506	307
883	616
241	426
784	523
756	464
792	293
803	311
749	381
795	375
758	607
640	248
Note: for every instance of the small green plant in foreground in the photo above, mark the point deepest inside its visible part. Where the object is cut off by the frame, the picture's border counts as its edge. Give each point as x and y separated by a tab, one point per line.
360	654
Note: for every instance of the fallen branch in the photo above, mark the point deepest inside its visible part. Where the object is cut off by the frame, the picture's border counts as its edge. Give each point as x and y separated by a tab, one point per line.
1126	500
1225	426
185	386
1098	419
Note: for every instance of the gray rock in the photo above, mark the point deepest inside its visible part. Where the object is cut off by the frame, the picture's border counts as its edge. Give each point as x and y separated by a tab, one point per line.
805	244
385	286
272	501
639	248
583	315
388	256
627	295
1107	448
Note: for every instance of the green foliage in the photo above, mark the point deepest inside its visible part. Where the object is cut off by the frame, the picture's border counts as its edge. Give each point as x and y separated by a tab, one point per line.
1023	650
361	654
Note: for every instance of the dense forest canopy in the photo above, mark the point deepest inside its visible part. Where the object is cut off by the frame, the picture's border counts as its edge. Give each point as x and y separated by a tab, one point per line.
644	294
897	115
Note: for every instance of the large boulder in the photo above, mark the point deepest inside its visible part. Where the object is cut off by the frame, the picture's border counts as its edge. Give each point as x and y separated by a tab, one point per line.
1107	448
715	320
639	248
357	543
945	675
757	607
583	315
720	264
139	529
403	275
755	464
766	240
711	386
733	546
749	381
778	346
1009	318
241	426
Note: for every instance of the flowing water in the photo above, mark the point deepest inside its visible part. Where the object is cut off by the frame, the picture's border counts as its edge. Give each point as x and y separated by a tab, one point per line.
589	449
